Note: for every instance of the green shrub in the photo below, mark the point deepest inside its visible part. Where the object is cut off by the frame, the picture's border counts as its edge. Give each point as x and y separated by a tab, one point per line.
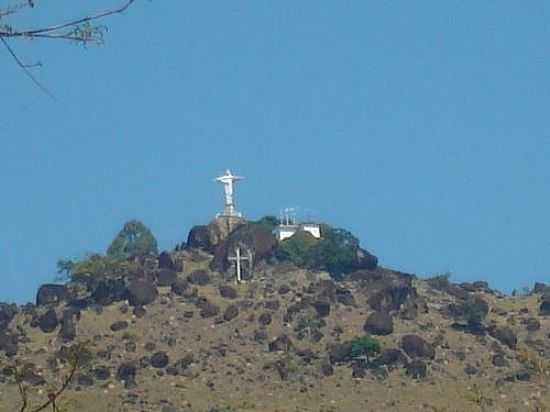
135	239
365	346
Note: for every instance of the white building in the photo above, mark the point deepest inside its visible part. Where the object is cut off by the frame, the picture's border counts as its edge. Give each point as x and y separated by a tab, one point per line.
284	231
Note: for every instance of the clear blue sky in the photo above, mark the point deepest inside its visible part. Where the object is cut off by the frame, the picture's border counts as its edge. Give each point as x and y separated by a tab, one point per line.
422	127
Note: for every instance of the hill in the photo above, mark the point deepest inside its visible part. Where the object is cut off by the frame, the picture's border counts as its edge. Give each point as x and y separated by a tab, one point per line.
175	333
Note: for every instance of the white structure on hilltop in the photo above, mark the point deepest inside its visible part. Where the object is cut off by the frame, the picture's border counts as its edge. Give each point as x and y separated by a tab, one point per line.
229	206
288	226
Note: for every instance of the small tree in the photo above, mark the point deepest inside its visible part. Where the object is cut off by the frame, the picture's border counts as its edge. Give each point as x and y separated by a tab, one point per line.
135	239
365	346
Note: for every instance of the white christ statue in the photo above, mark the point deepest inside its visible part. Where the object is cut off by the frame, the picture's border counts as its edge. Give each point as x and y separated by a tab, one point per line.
227	180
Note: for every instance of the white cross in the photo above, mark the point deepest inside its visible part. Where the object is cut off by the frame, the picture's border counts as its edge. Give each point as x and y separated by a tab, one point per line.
238	259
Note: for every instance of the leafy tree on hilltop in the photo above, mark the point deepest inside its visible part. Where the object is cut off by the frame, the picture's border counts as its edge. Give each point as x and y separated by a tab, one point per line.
336	251
135	239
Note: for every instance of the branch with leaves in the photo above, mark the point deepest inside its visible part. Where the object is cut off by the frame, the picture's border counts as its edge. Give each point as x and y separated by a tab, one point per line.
81	29
84	30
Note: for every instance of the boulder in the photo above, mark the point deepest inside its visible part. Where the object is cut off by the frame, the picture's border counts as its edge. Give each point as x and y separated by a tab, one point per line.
231	313
417	369
119	325
127	372
228	292
540	288
389	357
48	321
265	318
256	238
366	260
532	324
166	261
50	294
322	308
281	344
505	335
68	325
209	310
340	352
101	373
160	360
500	361
85	380
544	308
139	312
379	323
7	313
109	291
417	347
179	287
199	238
199	277
141	292
391	298
166	277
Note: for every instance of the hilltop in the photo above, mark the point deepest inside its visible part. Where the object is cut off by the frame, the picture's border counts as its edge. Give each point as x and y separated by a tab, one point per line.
314	327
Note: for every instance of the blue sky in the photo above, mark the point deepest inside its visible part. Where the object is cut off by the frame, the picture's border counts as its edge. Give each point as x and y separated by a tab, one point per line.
422	127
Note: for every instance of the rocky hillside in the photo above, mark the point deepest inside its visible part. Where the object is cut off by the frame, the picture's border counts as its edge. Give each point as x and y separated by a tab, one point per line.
178	334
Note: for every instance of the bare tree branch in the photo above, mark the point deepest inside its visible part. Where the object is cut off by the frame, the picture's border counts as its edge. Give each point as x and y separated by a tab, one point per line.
25	68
